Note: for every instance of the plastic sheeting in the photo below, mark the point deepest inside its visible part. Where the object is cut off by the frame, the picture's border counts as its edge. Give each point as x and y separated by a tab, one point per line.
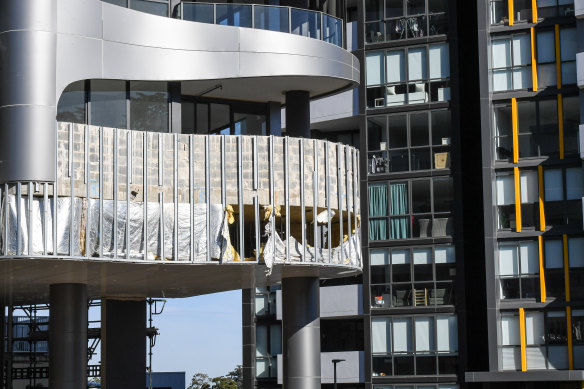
275	251
84	218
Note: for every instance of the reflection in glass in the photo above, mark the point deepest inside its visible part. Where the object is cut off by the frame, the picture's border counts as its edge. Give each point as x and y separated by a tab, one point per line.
305	23
151	7
71	106
198	12
108	103
149	106
233	15
271	18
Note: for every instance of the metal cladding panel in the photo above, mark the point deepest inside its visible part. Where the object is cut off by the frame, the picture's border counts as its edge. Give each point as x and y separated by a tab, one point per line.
70	18
580	69
27	60
27	15
85	64
579	8
138	28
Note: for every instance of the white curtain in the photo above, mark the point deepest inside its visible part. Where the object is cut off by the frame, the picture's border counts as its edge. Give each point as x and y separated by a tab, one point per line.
534	333
510	330
554	254
396	71
424	333
446	333
417	64
576	252
439	61
553	187
521	50
529	186
505	190
422	256
444	254
402	335
510	358
400	257
522	78
535	358
529	254
374	68
501	80
380	335
379	257
574	183
508	264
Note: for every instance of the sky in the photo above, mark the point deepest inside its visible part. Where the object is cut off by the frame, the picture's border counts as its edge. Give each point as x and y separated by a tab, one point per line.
197	335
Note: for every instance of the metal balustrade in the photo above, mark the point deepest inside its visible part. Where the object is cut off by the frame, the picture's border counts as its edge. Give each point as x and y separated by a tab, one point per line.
145	196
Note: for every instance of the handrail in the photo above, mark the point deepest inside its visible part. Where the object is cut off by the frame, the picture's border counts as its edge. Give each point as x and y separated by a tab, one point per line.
323	27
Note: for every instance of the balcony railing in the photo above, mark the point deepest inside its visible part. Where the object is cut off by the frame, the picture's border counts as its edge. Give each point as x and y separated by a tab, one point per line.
146	196
313	24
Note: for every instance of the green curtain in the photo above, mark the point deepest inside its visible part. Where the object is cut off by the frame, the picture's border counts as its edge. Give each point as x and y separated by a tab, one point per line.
377	208
399	206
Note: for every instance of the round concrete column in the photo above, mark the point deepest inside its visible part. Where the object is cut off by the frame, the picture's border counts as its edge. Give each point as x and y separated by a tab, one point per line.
298	113
68	336
28	60
301	333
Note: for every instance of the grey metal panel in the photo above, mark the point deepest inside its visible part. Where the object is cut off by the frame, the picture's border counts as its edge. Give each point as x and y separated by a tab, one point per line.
27	60
27	131
333	107
27	15
580	69
579	8
351	370
85	64
343	300
68	23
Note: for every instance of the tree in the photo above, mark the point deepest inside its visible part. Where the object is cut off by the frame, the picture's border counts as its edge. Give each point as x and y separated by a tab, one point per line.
223	382
200	381
237	376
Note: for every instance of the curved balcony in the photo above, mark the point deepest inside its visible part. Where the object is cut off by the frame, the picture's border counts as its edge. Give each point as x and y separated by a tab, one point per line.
132	197
312	24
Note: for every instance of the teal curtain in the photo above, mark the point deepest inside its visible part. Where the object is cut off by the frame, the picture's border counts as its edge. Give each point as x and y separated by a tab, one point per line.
399	206
377	209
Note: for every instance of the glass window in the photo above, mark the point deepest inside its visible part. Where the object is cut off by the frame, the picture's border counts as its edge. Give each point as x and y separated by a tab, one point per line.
71	106
553	8
571	118
554	268
305	23
108	103
271	18
519	269
546	59
425	334
149	106
563	192
378	211
233	15
402	335
380	335
151	7
568	48
510	59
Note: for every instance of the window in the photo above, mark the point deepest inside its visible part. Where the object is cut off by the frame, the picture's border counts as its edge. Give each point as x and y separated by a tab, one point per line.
407	142
545	336
571	118
546	57
505	184
404	19
268	345
576	262
418	208
408	76
149	106
108	106
519	270
511	62
578	337
156	7
265	300
71	106
553	8
554	268
420	276
499	11
418	345
568	48
563	192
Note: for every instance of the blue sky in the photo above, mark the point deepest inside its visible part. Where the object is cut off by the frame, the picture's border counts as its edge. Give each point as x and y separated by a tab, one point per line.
197	335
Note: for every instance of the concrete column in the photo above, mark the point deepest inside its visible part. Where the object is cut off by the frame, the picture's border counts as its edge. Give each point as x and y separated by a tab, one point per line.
298	113
28	61
123	344
300	333
68	336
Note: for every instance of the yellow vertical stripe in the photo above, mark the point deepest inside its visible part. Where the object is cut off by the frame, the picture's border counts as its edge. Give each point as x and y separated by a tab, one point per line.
569	330
542	291
561	124
511	12
558	57
523	339
533	60
534	10
515	130
566	268
517	200
541	199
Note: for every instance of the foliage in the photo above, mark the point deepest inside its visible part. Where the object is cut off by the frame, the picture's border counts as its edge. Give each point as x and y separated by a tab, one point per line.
231	380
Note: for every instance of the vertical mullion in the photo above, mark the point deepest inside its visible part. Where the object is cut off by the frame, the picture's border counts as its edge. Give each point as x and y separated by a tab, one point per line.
256	204
115	207
328	200
145	191
87	191
315	199
287	196
29	218
101	232
45	215
302	204
561	124
570	341
515	130
128	181
240	197
208	197
191	197
558	56
18	220
523	339
534	11
175	194
541	198
516	176
566	267
542	289
72	191
533	58
511	12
